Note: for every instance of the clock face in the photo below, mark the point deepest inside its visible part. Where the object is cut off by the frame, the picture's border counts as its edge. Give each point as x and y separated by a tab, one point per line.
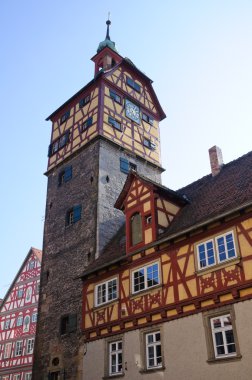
132	111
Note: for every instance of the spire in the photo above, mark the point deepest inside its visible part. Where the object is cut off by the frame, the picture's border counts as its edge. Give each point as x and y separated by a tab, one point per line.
107	42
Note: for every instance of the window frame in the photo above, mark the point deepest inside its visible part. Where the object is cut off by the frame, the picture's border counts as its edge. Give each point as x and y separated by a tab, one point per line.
73	215
68	323
147	118
7	323
154	344
20	293
86	124
133	84
149	144
30	346
118	351
113	95
145	268
33	318
65	117
19	321
208	316
28	376
58	144
84	101
106	283
7	350
18	348
65	175
214	241
115	123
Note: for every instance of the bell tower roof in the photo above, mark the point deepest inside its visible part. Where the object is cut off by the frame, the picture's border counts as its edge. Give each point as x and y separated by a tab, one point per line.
107	42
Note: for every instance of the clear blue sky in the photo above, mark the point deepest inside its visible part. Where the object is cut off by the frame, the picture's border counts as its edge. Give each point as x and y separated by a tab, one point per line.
197	52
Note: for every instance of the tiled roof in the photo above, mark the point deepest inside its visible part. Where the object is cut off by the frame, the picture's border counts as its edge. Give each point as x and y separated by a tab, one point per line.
209	197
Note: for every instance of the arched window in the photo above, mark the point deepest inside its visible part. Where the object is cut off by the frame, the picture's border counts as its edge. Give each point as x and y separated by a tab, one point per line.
136	228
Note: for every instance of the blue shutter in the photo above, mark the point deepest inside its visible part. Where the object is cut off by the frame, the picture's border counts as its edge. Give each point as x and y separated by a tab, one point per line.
124	165
77	213
68	173
50	150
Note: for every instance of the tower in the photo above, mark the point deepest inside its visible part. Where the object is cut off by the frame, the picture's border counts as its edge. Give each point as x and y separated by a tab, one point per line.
109	127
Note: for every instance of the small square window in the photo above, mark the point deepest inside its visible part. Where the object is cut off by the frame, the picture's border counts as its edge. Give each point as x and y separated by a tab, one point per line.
130	82
145	277
84	101
114	123
148	144
115	96
73	215
64	117
86	124
147	118
106	292
68	323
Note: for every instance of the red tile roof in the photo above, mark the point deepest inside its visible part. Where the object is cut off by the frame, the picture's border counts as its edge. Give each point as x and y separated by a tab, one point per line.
208	198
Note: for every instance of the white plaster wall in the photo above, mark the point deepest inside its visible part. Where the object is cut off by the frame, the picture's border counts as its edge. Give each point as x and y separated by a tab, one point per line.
185	352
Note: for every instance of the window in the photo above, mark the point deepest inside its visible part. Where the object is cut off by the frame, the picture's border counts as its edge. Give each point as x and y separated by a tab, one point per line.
7	324
221	334
114	123
18	349
106	292
64	117
7	350
34	317
31	265
54	375
217	250
65	175
55	146
19	321
145	277
153	350
30	346
68	323
148	144
87	123
84	101
28	376
147	118
115	358
115	97
136	228
126	166
73	215
223	337
20	293
130	82
17	377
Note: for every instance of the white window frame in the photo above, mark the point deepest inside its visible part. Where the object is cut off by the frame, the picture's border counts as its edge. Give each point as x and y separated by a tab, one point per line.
20	293
30	346
19	348
115	353
223	330
216	250
154	344
106	285
19	321
7	324
17	377
7	350
28	376
34	317
145	269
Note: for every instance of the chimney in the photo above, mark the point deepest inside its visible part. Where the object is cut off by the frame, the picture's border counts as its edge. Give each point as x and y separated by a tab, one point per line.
216	160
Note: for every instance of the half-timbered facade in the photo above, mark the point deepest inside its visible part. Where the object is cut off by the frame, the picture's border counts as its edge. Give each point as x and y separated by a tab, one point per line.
18	320
171	295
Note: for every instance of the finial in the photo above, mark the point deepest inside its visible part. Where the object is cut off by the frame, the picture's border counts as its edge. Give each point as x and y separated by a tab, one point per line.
108	22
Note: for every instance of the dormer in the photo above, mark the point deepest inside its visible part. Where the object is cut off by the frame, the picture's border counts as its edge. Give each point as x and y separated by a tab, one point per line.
149	209
107	55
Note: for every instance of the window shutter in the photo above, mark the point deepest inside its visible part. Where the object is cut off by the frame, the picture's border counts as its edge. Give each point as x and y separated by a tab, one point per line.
72	322
50	150
68	173
77	213
124	165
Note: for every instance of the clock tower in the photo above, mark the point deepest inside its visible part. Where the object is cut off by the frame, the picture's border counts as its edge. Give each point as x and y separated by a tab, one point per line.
109	127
